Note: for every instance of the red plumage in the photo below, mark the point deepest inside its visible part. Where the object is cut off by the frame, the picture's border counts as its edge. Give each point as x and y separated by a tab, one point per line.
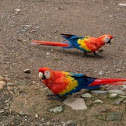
108	82
61	44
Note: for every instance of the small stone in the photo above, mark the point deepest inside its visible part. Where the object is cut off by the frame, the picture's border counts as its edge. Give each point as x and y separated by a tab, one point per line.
113	95
120	92
118	70
70	123
86	95
101	72
122	4
36	116
57	109
98	101
114	116
17	10
118	101
28	71
47	54
99	92
21	113
2	84
48	123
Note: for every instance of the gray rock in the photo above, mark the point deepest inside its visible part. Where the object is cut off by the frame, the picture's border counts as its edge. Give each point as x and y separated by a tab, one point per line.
99	92
118	70
117	92
122	4
113	95
98	101
70	123
47	53
17	10
114	116
57	109
36	116
101	72
28	71
75	103
118	101
86	95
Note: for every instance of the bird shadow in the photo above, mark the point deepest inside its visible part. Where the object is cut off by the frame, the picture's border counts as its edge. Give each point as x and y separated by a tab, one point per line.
70	52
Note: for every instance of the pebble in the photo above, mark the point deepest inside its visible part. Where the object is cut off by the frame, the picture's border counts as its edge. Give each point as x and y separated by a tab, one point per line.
70	123
122	4
118	70
75	103
86	95
57	109
17	10
101	72
98	101
36	116
2	84
99	92
28	71
47	54
113	95
117	92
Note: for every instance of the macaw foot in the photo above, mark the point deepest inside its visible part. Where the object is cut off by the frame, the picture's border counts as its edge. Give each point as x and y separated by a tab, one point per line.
85	53
50	95
95	54
56	98
100	50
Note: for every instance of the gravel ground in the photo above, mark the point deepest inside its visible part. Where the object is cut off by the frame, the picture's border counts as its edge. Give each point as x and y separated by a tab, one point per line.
23	99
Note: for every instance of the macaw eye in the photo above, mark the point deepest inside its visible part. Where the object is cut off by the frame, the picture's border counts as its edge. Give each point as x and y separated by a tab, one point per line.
40	75
106	39
47	74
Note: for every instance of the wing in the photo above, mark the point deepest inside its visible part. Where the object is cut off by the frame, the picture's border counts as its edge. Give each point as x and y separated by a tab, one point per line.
74	74
70	37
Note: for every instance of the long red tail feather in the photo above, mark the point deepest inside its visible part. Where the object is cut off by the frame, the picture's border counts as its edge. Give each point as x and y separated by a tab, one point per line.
108	82
61	44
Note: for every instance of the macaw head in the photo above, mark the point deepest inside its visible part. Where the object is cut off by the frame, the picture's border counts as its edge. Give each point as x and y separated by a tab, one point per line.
106	38
45	73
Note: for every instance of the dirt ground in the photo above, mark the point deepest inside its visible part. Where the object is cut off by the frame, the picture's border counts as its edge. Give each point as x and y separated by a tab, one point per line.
24	20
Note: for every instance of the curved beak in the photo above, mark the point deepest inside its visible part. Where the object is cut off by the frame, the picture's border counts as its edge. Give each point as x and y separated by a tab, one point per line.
41	76
109	42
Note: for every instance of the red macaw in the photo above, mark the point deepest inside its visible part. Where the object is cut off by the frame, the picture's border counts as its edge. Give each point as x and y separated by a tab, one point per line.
64	83
86	44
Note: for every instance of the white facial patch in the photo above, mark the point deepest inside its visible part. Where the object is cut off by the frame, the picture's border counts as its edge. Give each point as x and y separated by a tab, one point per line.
106	39
47	74
40	75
